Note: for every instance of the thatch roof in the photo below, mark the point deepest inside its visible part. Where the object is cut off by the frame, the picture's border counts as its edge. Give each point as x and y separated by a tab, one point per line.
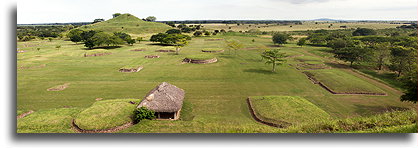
164	98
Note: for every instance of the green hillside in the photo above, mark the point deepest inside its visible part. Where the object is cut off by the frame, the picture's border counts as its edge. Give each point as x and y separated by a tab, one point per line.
129	24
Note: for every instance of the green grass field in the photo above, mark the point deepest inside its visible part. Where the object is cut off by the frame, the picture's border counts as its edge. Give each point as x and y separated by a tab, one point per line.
106	114
215	93
288	109
342	82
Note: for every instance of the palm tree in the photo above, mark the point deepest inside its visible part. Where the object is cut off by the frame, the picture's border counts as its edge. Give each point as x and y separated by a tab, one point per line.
274	57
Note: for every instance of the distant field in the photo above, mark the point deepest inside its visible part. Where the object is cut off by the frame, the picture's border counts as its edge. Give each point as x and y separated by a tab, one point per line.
305	26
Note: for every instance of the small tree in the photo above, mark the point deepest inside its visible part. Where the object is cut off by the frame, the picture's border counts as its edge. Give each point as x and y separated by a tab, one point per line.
207	33
233	44
280	38
131	41
75	35
172	24
50	39
274	57
301	42
116	15
173	31
197	33
58	47
143	113
151	19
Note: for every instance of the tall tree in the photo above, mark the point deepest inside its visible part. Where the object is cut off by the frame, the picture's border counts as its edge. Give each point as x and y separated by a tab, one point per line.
353	54
381	53
274	57
410	82
403	59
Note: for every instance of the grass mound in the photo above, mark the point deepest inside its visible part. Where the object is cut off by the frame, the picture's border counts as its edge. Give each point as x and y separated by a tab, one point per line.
106	114
48	121
343	83
129	24
288	109
200	57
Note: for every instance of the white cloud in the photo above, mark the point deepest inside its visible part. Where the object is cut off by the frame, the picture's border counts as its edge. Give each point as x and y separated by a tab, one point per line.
46	11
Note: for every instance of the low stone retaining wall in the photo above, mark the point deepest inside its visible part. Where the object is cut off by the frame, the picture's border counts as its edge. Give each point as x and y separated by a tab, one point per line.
130	69
111	130
212	51
152	56
200	61
315	81
256	118
165	51
96	54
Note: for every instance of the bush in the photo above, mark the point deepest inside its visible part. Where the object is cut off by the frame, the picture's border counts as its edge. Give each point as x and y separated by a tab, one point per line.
143	113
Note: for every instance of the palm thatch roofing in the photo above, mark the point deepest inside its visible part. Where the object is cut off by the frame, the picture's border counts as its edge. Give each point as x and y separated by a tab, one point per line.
164	98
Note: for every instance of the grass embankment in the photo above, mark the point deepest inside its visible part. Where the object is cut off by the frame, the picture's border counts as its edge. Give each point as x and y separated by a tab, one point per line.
200	57
344	83
48	121
213	50
397	121
106	114
289	109
309	60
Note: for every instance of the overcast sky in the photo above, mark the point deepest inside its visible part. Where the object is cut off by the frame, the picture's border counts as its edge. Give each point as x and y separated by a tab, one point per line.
62	11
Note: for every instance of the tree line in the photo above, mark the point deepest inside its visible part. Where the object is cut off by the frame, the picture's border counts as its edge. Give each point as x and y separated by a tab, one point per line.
93	38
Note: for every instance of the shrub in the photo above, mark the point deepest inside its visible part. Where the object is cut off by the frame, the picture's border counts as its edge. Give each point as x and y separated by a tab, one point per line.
143	113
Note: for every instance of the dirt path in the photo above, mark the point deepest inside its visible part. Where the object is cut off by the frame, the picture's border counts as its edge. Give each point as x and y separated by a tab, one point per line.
25	114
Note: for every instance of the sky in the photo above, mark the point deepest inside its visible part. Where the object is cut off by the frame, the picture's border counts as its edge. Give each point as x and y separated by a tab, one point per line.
64	11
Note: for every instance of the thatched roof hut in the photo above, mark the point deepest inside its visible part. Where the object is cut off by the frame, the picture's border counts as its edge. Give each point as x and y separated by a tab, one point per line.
165	100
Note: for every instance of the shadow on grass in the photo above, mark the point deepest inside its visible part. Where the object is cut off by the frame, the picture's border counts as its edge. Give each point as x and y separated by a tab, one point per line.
260	71
338	65
159	44
104	47
368	109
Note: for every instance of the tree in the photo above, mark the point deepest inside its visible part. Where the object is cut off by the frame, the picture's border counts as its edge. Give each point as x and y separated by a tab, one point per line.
381	53
151	19
274	57
124	36
233	44
403	59
58	47
75	35
158	37
353	54
143	113
280	38
131	41
341	43
410	84
116	15
177	40
173	31
207	33
364	32
98	20
172	24
197	33
301	42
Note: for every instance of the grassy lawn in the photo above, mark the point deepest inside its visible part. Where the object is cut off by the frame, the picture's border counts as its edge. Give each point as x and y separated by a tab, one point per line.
342	82
48	121
289	109
106	114
216	91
